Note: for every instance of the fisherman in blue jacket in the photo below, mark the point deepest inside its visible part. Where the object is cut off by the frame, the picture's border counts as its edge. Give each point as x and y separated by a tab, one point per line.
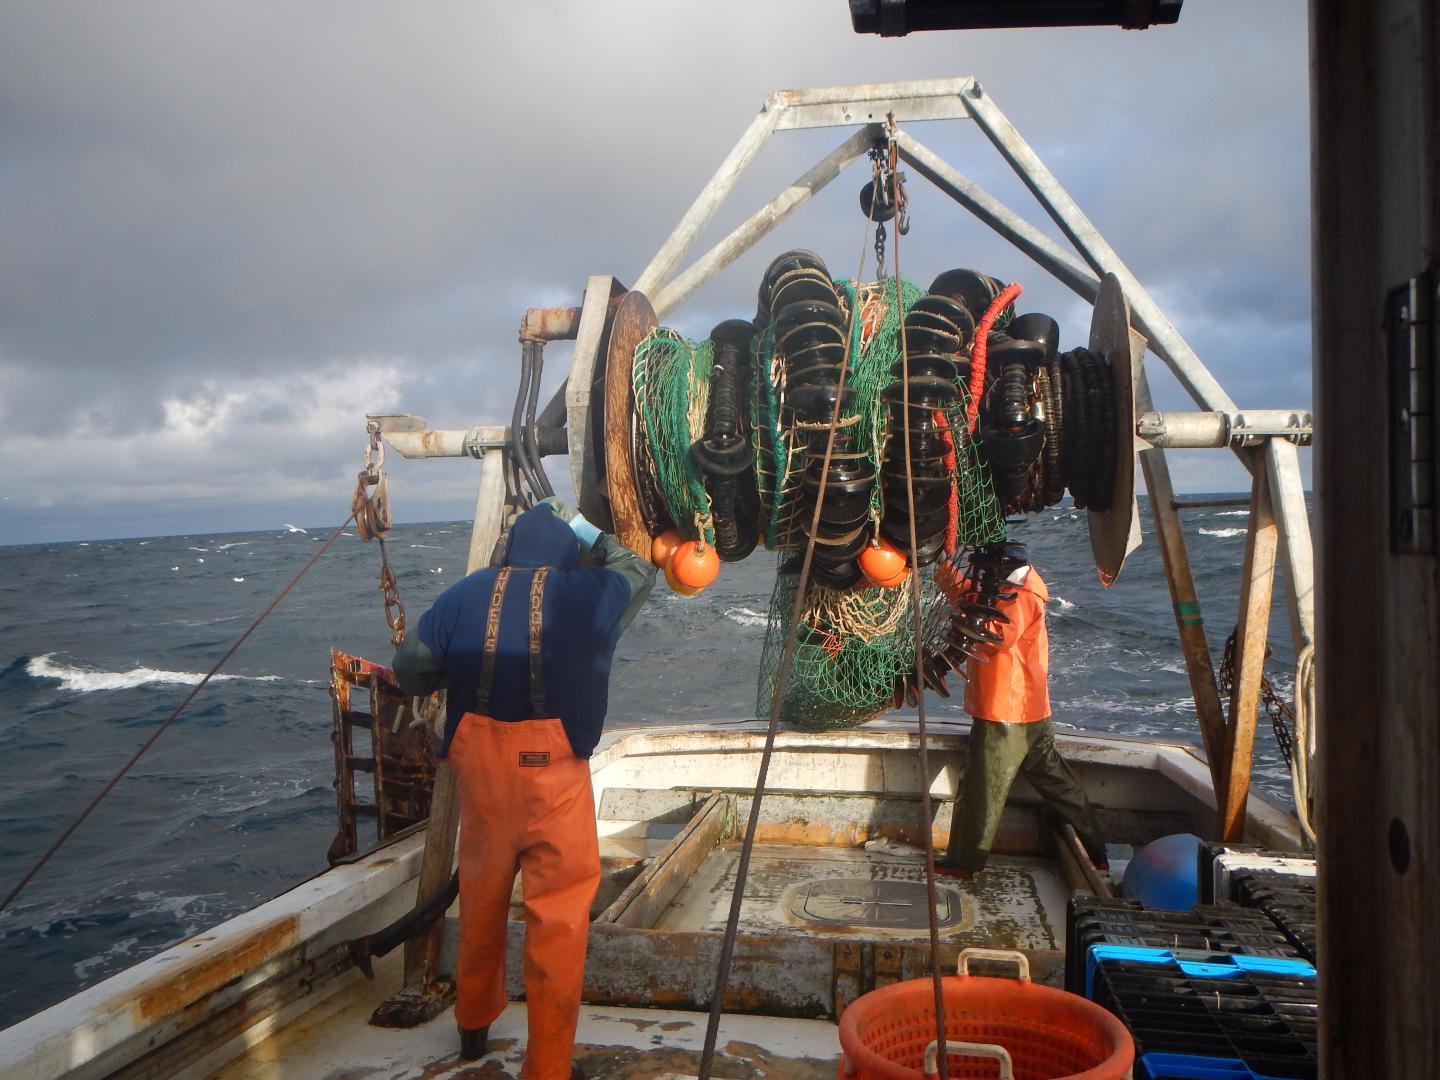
523	652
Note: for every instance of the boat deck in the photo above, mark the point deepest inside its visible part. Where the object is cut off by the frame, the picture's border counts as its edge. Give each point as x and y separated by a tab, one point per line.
334	1042
792	891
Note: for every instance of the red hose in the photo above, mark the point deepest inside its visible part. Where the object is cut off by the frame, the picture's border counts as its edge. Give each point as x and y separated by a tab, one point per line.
977	353
952	524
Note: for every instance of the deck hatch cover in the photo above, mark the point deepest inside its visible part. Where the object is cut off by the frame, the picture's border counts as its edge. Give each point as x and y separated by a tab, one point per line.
880	905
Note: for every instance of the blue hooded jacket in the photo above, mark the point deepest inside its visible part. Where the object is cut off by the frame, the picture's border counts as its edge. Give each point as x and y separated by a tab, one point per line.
583	612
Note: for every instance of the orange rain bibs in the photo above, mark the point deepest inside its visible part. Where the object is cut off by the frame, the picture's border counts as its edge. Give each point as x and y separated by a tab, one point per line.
526	805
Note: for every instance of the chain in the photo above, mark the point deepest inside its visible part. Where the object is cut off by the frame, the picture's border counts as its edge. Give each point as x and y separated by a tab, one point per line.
1280	712
394	607
889	200
371	505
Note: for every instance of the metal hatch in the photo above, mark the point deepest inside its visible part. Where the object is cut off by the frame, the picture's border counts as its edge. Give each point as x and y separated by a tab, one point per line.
865	903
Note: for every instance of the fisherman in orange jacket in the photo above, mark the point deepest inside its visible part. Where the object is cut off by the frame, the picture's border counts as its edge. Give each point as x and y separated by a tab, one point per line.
1007	696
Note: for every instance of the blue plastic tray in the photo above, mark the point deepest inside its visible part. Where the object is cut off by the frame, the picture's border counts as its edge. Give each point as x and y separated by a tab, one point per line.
1214	966
1189	1067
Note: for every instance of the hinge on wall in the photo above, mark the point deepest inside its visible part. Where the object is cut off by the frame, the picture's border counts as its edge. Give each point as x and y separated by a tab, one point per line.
1410	356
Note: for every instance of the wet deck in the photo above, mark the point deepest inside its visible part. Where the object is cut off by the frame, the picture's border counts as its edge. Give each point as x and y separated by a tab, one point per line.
792	891
334	1042
1017	903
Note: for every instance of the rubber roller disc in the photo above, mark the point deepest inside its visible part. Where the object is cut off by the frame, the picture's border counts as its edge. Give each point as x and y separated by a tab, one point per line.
1115	532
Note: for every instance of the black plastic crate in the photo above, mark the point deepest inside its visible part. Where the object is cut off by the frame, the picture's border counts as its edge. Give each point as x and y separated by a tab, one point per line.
1227	929
1265	1023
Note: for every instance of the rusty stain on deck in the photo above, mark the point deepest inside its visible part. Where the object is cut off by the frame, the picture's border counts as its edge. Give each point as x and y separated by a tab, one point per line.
170	993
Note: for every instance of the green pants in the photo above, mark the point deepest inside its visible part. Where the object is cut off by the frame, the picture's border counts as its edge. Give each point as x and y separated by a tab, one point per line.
997	753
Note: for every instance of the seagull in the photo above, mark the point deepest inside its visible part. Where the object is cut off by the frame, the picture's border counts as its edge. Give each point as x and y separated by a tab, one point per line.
237	579
295	528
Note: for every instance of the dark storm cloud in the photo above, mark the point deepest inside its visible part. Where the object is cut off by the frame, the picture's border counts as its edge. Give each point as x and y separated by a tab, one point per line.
207	203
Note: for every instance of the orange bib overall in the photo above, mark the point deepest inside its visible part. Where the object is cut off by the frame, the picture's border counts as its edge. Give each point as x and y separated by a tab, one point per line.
526	806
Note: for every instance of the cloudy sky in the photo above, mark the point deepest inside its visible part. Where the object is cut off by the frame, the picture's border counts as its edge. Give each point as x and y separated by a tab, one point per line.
228	231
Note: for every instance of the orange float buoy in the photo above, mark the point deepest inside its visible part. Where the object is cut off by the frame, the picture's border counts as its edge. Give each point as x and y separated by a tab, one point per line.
664	545
694	564
676	587
884	564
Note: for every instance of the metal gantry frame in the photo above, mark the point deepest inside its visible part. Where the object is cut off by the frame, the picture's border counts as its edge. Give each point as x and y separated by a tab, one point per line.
1264	441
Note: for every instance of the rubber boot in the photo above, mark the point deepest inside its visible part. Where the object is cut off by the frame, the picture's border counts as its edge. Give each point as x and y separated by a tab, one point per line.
473	1042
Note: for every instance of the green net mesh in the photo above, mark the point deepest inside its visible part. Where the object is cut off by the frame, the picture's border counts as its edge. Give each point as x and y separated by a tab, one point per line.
672	393
850	646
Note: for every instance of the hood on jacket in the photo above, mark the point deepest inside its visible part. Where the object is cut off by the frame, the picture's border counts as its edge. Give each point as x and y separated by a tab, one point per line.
539	538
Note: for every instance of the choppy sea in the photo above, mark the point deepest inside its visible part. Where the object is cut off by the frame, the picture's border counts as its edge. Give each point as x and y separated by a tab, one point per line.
99	641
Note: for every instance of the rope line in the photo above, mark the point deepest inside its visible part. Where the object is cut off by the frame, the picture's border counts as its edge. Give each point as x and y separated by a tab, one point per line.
930	897
742	868
120	775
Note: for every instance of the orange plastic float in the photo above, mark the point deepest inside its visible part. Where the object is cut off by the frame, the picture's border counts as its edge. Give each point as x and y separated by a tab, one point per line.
694	564
664	545
884	564
677	587
1032	1032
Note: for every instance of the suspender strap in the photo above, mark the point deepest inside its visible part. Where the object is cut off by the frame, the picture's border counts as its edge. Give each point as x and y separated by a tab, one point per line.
492	635
537	662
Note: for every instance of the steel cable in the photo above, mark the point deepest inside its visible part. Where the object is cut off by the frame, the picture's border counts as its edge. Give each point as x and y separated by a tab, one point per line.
69	829
742	868
919	662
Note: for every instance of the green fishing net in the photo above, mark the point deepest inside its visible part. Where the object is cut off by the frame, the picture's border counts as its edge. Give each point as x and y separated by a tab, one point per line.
850	646
672	393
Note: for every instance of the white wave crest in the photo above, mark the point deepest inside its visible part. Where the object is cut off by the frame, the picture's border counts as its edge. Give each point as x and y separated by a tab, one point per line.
82	680
1222	532
744	616
1064	605
1233	513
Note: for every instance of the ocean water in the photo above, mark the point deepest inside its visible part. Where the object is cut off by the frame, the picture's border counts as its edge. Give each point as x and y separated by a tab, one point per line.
99	641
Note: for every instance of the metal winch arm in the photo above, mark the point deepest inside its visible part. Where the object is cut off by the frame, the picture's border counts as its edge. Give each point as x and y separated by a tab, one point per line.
1192	430
410	437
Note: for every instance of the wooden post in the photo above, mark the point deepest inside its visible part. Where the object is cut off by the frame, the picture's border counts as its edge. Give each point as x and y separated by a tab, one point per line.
1256	587
422	952
1184	600
1375	111
1199	664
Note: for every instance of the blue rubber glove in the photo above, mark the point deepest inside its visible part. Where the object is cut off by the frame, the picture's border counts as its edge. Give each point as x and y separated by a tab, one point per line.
585	532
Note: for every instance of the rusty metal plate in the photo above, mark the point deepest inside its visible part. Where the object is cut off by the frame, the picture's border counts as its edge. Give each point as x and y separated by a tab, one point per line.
634	319
1115	533
870	904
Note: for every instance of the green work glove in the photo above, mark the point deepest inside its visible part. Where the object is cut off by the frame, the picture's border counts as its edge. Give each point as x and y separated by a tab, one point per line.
559	507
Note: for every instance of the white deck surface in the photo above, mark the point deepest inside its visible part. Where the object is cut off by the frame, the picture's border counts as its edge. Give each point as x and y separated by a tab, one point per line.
334	1042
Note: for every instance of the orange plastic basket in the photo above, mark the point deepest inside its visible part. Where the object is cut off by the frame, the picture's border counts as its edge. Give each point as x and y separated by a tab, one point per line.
1008	1028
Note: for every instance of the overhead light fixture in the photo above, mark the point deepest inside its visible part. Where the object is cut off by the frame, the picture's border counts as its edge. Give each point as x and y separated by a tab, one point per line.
895	18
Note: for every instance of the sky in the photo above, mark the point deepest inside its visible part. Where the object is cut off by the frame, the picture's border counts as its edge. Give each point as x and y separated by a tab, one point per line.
229	231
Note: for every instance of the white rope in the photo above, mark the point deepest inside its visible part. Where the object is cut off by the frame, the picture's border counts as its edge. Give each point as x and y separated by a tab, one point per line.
1302	748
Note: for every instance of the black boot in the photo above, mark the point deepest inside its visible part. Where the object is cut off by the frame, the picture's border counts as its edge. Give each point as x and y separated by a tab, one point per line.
576	1073
473	1042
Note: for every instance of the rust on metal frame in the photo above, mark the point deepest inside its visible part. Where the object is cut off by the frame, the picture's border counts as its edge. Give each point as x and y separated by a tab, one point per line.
401	759
558	323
